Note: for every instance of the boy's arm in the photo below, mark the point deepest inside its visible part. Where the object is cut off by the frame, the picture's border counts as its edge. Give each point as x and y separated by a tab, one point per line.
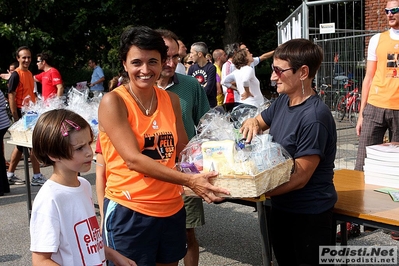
117	258
43	259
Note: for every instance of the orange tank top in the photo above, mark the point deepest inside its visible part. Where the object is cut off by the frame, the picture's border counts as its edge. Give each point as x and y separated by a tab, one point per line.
384	90
157	139
25	87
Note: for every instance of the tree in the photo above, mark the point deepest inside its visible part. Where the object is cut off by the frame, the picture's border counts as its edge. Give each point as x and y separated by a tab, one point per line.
77	30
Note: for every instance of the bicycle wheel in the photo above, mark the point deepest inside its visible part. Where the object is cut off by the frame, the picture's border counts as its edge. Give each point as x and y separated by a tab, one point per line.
340	108
354	112
333	100
323	97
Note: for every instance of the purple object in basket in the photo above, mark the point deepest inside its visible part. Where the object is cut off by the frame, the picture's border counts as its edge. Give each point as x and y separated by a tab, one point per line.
188	168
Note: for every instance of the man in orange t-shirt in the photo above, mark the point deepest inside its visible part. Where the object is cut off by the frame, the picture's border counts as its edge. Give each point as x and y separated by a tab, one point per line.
379	109
20	91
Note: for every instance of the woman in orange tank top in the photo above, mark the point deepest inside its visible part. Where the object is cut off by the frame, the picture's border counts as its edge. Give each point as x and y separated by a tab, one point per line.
141	133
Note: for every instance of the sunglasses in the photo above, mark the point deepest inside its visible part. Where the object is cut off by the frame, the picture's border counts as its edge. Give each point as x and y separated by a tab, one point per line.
393	10
279	71
190	62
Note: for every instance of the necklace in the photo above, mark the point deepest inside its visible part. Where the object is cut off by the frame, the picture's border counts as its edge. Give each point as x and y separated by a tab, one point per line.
307	97
147	111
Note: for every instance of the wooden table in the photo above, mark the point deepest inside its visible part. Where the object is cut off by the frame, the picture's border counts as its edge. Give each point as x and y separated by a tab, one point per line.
25	146
359	203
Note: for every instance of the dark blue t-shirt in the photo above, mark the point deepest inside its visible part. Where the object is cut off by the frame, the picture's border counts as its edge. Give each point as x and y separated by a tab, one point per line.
305	129
206	76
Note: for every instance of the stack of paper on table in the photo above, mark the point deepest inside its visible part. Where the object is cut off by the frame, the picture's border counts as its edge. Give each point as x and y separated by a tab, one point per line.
381	166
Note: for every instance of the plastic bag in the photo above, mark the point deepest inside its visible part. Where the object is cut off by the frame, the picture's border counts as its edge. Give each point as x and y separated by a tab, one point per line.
77	102
219	146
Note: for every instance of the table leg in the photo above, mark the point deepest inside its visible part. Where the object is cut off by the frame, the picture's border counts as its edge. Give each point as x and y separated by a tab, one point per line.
344	234
27	180
265	240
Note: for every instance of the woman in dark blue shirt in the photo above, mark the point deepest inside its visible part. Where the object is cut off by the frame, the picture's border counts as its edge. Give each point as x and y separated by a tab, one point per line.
301	213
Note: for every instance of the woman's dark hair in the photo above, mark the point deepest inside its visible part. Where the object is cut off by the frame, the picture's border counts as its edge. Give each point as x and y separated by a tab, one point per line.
300	52
52	133
144	38
240	58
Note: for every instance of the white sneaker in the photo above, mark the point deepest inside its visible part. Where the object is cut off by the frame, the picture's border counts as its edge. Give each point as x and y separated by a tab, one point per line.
39	181
14	180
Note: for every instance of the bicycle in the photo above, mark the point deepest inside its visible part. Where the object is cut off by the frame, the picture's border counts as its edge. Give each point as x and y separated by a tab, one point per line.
324	91
354	111
341	87
349	104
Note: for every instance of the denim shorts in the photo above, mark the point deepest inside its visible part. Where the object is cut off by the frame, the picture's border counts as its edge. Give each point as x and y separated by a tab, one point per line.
145	239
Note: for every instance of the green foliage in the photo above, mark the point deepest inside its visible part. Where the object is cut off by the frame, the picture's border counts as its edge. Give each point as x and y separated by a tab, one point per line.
78	30
3	86
72	76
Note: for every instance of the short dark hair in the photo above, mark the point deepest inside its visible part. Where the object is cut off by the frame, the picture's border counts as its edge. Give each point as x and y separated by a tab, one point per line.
20	49
47	138
15	64
46	56
299	52
167	34
144	38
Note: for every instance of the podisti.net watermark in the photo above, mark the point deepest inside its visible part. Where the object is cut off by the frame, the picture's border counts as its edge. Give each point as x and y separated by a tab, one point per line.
372	255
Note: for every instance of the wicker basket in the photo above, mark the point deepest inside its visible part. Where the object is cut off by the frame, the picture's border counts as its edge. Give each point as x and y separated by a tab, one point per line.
246	186
20	135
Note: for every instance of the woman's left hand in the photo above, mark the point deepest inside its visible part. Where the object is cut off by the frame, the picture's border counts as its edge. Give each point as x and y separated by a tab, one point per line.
199	183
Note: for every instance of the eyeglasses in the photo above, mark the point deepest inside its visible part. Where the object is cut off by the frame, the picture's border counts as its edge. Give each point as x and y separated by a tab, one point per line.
174	58
39	61
279	71
393	10
190	63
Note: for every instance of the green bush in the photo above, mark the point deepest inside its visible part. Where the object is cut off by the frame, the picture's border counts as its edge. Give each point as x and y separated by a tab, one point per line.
3	86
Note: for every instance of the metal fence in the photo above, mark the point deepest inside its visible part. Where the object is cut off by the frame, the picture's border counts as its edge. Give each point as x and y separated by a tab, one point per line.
344	63
342	71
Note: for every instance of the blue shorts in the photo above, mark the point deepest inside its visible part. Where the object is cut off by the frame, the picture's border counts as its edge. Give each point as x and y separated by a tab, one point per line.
145	239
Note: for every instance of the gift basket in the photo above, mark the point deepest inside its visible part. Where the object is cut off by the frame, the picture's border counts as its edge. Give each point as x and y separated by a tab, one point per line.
21	130
246	170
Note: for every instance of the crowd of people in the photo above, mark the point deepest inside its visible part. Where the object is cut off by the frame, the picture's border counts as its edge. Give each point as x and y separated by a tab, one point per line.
148	116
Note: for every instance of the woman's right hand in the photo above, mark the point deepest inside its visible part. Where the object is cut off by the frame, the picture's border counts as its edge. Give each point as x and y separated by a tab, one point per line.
199	183
359	125
250	128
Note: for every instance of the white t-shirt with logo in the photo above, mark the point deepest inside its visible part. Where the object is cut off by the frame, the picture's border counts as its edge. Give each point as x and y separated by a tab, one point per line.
64	223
